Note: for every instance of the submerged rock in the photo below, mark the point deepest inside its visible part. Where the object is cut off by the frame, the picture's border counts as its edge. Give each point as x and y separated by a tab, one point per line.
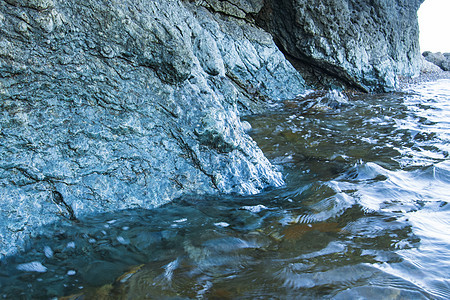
34	266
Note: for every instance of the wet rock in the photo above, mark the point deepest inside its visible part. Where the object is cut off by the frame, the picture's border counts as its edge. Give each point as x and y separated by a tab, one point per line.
361	44
442	60
126	104
122	104
320	101
36	4
34	266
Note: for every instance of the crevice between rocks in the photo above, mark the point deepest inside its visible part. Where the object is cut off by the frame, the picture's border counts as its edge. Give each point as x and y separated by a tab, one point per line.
193	157
317	76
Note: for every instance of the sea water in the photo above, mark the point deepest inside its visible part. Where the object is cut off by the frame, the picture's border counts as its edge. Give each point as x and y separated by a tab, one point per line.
364	214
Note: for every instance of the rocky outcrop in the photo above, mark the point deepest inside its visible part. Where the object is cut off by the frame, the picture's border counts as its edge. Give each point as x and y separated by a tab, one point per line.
429	67
108	105
442	60
362	44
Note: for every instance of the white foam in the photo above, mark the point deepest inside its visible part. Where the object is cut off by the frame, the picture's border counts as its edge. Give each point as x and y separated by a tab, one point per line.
222	224
255	208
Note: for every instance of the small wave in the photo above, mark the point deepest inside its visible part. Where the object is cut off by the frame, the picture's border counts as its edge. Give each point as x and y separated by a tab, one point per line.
230	244
379	188
345	276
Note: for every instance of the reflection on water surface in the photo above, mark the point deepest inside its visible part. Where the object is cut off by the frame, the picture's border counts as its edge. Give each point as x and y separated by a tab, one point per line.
364	214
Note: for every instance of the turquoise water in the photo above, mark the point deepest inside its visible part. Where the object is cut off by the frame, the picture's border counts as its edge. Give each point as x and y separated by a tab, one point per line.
364	214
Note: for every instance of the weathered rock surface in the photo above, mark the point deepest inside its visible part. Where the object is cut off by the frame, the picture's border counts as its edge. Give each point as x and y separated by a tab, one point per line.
108	105
363	44
442	60
237	8
429	67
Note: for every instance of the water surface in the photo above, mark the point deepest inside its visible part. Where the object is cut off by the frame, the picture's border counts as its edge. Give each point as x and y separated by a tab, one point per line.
364	213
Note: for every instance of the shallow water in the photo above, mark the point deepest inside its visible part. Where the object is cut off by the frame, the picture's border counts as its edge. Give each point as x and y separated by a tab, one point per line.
364	214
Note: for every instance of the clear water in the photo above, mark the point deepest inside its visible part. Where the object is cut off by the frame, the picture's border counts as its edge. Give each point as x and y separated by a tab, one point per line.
364	214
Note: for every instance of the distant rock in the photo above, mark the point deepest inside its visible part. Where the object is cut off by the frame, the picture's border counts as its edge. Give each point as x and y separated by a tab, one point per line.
429	67
442	60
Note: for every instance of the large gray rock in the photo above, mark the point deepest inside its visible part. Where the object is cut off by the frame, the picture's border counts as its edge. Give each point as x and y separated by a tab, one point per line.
358	43
108	105
428	67
442	60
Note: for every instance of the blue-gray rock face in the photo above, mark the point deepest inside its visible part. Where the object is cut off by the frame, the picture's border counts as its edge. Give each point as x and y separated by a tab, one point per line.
359	43
108	105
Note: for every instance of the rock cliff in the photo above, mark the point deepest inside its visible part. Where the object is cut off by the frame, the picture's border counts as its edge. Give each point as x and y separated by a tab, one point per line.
360	44
108	105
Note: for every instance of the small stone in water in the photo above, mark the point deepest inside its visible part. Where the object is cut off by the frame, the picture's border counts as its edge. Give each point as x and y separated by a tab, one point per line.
34	266
48	252
122	240
71	272
71	245
222	224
